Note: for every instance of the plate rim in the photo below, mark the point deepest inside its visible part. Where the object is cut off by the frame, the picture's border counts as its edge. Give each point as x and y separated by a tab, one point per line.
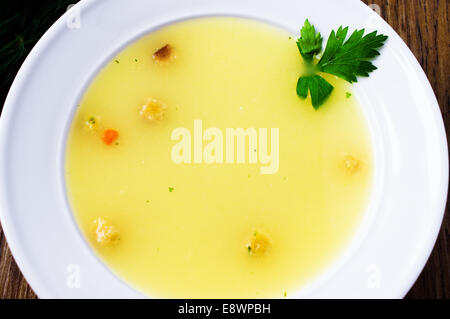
7	224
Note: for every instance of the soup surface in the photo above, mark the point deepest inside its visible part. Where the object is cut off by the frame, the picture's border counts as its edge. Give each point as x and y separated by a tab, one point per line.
178	215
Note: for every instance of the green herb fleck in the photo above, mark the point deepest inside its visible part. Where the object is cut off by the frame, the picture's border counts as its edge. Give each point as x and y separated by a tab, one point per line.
117	61
290	38
347	58
135	60
249	249
171	189
348	95
92	120
285	294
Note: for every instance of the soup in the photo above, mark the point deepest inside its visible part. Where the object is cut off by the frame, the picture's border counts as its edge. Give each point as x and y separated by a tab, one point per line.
194	170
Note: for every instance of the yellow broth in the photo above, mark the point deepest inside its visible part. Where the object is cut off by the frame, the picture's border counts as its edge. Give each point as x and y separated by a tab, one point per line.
215	229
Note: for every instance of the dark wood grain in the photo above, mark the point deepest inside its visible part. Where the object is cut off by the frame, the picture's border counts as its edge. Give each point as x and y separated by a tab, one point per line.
424	26
12	283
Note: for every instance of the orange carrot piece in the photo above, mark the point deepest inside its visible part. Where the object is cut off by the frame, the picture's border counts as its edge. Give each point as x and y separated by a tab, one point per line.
109	136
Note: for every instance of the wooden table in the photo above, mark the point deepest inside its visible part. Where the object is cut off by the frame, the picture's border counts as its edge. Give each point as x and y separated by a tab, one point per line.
424	26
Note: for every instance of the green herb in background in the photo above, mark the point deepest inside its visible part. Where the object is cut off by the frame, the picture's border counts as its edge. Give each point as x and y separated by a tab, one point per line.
22	24
343	58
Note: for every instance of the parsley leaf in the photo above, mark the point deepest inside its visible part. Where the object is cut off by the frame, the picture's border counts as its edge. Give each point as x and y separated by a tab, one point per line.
350	59
342	57
319	87
310	42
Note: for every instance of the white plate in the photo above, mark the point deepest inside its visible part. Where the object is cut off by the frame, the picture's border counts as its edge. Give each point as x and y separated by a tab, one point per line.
411	157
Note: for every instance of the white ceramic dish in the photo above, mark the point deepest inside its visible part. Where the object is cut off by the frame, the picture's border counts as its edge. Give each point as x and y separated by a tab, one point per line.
411	157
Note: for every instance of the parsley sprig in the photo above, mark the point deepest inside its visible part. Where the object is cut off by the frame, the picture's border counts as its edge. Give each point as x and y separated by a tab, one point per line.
342	57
